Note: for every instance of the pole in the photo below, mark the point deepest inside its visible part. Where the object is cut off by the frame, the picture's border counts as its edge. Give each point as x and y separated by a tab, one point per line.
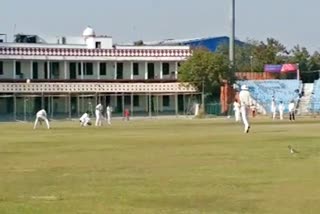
150	109
176	104
70	106
25	108
14	107
202	94
298	72
232	35
131	104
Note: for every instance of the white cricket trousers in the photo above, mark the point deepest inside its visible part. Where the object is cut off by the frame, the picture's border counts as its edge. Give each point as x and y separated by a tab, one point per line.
244	115
98	118
109	117
274	114
38	118
85	122
281	115
237	115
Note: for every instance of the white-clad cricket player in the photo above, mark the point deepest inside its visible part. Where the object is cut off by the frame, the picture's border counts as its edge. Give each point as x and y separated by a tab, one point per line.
236	109
273	108
281	110
245	103
108	111
98	112
292	109
85	120
41	116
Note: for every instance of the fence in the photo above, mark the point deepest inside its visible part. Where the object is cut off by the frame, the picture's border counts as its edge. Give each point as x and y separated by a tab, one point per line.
24	107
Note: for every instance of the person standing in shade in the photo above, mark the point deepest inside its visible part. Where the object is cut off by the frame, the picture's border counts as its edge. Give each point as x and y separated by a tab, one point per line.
292	109
281	110
236	109
245	103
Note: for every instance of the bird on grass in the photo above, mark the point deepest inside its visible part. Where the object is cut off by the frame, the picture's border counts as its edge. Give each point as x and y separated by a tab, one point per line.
292	150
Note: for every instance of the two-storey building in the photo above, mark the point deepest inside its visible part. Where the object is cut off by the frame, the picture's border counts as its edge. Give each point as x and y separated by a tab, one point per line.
69	75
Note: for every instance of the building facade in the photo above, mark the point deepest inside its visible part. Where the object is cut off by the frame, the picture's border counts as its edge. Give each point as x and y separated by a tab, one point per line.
70	75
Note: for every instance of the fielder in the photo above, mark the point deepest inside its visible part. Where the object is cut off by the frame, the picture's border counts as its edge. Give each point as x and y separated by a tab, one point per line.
108	111
245	102
40	116
236	109
291	108
98	112
85	119
273	108
281	110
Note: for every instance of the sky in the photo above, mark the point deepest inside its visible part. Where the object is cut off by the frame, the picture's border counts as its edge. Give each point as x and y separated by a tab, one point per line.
290	21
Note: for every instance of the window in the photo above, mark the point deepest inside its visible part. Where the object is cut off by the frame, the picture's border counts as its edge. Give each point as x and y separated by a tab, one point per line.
119	70
1	68
35	70
136	69
79	69
165	68
165	101
89	68
103	69
55	70
127	100
18	68
136	101
98	45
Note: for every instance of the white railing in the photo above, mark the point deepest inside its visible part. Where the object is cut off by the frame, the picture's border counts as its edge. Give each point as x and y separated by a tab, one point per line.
96	88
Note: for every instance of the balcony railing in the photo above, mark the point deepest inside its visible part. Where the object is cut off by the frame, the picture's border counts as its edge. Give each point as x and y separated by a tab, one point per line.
95	87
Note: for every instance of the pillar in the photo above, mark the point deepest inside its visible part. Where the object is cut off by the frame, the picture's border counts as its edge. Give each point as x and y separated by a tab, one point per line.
115	70
161	71
78	104
14	107
184	104
146	70
98	70
42	101
150	106
14	69
176	70
176	103
65	69
82	70
123	106
51	102
48	70
131	104
70	107
31	69
131	70
25	108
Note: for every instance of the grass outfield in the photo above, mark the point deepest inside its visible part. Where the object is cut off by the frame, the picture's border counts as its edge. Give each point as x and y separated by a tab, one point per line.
160	166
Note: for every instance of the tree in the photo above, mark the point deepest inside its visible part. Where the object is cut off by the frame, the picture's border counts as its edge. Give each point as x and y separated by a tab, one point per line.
253	55
271	52
314	61
243	55
205	69
300	55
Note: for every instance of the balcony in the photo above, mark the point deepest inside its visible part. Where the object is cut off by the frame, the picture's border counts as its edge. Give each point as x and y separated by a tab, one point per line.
146	86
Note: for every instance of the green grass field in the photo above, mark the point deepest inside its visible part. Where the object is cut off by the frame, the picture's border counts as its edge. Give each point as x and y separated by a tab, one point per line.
161	166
